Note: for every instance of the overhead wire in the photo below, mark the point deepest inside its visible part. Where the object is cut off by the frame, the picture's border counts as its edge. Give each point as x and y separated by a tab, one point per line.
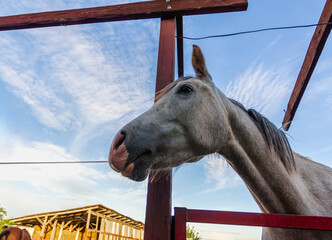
60	162
254	31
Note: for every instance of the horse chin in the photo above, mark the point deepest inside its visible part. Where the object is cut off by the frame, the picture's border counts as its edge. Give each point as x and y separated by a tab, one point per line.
142	169
140	172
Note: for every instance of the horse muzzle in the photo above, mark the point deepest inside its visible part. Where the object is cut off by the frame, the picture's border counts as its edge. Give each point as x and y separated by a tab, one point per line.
118	156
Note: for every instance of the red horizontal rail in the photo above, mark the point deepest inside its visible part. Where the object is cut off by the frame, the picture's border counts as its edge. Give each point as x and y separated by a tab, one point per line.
183	215
128	11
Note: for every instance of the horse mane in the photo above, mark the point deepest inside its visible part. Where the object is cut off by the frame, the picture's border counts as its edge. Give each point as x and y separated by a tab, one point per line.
275	138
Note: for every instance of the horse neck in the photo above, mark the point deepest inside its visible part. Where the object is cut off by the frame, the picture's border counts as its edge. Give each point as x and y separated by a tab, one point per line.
275	189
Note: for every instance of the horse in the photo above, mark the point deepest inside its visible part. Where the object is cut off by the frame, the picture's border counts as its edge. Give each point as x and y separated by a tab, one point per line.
14	233
192	118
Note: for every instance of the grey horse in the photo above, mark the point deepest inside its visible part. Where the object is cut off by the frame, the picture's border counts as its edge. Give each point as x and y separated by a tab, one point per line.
192	118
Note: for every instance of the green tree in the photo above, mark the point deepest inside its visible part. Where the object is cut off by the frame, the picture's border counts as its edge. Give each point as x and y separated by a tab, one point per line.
191	233
3	222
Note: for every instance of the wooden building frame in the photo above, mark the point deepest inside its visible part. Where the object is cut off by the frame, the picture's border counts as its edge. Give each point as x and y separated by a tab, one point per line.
95	222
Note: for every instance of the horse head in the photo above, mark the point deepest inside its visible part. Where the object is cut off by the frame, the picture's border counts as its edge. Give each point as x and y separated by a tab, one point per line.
180	127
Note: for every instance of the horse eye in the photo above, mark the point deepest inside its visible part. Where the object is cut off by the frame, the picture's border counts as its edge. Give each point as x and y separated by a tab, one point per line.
186	88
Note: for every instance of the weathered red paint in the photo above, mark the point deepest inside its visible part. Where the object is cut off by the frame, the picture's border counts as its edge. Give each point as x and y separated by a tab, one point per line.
159	199
183	215
129	11
315	49
180	225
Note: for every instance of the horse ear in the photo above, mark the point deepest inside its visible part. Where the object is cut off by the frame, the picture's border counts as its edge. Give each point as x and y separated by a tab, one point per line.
198	62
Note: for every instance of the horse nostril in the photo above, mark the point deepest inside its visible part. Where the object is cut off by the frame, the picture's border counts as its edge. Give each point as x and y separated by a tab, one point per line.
121	140
123	132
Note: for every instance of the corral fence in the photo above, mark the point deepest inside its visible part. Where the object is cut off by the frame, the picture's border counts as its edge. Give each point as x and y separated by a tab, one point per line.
184	215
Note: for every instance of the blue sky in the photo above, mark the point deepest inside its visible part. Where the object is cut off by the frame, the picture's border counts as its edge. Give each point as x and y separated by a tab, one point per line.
66	91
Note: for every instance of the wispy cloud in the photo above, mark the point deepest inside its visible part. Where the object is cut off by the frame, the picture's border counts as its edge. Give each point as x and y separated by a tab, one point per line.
69	185
321	90
261	88
25	6
68	79
81	79
219	174
77	179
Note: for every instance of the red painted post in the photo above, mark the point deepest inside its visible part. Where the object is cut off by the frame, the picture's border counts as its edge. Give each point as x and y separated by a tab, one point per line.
159	200
313	53
128	11
180	226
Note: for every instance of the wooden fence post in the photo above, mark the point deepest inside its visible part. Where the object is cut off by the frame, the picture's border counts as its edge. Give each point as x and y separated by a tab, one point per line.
158	209
61	229
96	233
41	237
87	225
77	233
54	229
120	227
